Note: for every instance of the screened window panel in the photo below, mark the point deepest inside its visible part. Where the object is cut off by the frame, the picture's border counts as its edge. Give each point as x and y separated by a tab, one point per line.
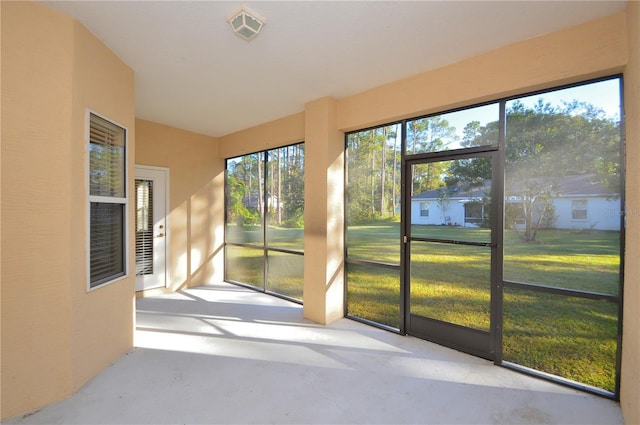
264	220
285	197
560	146
373	194
466	128
245	265
107	242
285	274
569	337
245	199
373	293
106	158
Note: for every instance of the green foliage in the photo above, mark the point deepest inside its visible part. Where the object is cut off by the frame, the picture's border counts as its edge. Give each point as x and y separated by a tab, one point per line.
274	178
545	143
373	173
295	221
431	134
549	216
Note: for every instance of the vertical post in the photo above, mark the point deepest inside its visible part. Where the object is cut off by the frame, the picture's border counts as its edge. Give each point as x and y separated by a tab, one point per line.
324	213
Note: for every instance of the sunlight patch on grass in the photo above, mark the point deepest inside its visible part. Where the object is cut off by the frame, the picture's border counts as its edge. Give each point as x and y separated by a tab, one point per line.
569	337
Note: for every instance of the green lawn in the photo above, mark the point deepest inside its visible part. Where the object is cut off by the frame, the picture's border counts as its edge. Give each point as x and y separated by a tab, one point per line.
246	265
565	336
569	337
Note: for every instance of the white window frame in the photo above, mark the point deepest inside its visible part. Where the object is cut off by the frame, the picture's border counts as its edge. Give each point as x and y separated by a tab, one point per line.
585	209
106	199
423	209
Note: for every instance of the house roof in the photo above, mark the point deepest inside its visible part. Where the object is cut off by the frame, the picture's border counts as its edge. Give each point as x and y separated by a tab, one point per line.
581	185
575	185
193	73
454	193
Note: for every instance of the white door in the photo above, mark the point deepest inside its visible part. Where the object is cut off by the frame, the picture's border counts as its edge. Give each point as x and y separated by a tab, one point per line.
152	184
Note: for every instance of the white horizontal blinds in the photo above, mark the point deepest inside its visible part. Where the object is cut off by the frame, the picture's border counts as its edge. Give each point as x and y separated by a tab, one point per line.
106	158
144	227
107	198
107	242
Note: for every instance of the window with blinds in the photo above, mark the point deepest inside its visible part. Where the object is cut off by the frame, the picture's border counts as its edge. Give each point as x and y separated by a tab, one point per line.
144	227
107	201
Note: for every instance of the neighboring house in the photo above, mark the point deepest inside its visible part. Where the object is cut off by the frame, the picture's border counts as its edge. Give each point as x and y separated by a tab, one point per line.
251	201
579	201
449	206
255	204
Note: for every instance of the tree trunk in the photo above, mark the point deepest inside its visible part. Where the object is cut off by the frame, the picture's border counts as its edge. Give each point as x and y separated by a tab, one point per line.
373	162
278	204
383	171
260	191
395	164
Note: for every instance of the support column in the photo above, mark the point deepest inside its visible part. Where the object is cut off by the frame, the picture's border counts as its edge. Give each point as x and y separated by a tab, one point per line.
324	213
630	367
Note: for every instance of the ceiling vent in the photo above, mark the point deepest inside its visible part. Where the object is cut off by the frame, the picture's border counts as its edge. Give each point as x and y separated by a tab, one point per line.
246	23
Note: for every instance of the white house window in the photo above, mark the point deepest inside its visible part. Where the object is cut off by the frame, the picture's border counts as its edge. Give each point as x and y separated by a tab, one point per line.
424	209
579	210
107	201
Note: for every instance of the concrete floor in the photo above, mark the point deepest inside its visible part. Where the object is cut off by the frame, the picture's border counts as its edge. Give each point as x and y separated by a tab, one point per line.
224	354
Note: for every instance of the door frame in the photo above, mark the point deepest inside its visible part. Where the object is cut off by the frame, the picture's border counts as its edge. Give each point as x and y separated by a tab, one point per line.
165	171
484	344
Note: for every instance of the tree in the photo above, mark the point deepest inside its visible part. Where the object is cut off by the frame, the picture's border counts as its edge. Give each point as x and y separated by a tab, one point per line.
372	156
543	144
431	134
281	190
546	143
443	203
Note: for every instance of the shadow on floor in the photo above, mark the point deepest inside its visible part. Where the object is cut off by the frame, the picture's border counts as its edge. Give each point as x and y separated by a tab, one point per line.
225	354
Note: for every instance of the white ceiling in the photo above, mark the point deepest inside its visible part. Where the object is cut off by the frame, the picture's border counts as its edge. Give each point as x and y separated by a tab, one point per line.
192	72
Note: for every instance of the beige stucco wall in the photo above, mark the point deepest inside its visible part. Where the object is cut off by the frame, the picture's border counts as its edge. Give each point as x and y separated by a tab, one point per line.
36	133
630	376
323	292
55	335
578	53
281	132
196	204
101	320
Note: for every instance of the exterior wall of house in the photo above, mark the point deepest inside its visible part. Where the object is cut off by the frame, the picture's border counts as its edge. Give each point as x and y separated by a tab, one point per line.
55	335
602	214
453	209
630	385
196	201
